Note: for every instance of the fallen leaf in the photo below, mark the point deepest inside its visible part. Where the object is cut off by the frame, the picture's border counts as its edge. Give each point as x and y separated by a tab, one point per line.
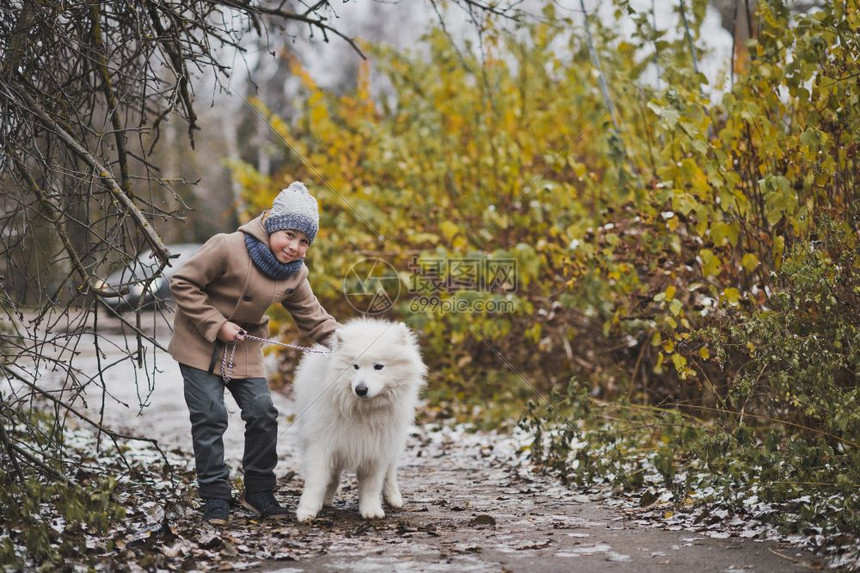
483	519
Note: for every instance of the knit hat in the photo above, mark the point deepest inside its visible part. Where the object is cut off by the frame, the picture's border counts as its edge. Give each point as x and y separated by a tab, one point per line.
294	208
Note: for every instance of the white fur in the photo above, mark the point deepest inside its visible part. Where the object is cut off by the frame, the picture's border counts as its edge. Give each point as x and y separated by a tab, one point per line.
341	430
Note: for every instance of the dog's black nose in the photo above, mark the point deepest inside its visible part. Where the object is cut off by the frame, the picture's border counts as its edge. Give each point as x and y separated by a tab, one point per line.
361	390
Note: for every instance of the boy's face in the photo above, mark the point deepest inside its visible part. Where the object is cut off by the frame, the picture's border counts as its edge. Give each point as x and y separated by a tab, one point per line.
288	245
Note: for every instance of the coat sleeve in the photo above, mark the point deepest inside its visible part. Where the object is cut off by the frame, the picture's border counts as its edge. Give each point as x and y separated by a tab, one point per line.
309	315
188	287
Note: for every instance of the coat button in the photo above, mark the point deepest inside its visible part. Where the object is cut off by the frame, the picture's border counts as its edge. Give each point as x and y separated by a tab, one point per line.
289	291
247	298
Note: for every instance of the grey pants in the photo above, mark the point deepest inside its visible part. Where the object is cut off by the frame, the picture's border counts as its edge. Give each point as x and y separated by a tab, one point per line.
204	395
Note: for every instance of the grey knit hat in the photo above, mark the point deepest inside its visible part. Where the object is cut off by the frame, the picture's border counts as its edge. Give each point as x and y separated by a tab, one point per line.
294	208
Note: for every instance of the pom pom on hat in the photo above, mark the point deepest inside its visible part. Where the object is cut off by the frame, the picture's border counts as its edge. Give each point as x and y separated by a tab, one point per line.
294	208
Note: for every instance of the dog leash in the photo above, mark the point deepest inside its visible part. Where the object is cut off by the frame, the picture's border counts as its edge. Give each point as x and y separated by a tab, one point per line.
227	363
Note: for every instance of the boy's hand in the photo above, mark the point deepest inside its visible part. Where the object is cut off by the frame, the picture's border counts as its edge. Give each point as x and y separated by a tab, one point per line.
231	332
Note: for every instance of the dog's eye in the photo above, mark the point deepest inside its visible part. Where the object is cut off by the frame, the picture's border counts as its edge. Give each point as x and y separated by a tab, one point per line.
377	366
355	366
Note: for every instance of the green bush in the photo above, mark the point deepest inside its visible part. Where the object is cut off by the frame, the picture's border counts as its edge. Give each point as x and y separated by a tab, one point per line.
799	359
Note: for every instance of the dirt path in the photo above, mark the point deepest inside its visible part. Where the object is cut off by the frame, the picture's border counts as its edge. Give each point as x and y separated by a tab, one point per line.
468	509
470	505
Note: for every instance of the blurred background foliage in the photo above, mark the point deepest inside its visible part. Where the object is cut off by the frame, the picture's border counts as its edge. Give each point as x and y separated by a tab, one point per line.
640	249
685	254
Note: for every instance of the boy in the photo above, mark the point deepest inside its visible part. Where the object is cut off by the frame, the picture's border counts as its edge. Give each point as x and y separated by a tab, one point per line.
221	294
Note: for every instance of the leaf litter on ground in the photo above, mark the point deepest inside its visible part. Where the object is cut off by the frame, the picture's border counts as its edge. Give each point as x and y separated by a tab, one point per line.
162	528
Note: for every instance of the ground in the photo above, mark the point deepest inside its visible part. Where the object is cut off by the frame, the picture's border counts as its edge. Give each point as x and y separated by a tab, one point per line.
472	503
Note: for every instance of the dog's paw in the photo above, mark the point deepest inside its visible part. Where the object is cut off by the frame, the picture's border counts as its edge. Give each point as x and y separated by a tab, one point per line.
304	515
373	512
395	500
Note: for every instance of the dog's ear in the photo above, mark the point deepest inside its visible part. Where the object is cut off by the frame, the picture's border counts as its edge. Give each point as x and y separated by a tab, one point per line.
337	339
404	333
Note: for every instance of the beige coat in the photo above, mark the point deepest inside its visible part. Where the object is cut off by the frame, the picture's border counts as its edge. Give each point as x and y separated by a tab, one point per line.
221	283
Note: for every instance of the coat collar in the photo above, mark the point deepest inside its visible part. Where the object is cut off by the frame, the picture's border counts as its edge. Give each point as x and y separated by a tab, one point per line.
255	228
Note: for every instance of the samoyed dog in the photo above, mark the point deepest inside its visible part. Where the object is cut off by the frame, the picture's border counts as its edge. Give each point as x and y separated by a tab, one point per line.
354	408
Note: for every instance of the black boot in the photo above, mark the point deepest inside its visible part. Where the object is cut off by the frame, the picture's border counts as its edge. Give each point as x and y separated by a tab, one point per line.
264	504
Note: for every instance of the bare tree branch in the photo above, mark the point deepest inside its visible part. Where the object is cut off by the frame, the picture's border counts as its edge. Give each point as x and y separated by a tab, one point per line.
86	87
104	174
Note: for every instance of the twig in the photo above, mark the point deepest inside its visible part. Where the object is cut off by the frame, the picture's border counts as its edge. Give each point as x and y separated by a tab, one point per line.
318	23
595	59
110	97
54	215
114	436
39	464
765	418
636	371
10	450
688	36
802	563
151	236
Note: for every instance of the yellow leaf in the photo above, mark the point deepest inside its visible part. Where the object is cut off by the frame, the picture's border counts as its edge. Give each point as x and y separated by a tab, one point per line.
725	233
732	295
658	368
449	229
424	237
749	262
778	250
711	263
578	168
670	292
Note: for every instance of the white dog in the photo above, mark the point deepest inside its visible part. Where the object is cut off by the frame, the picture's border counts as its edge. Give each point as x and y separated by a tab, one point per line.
354	407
